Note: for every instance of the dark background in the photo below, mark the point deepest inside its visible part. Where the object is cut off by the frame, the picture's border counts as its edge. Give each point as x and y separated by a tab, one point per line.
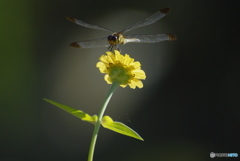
189	105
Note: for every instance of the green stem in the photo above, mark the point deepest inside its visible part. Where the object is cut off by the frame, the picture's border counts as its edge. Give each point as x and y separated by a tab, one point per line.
98	123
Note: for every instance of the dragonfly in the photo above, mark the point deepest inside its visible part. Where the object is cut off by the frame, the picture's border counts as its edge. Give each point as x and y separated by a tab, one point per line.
116	38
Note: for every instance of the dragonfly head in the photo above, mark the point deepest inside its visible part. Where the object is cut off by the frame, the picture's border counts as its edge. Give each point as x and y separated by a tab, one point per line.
116	38
113	39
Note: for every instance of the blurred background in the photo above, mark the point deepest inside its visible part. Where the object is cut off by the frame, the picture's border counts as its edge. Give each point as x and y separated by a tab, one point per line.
189	105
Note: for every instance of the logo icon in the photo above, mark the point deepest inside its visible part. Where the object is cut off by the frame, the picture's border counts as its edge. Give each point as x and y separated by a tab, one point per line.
212	155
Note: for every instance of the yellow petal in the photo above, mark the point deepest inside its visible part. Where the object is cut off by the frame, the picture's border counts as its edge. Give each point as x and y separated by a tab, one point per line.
139	74
112	58
104	59
132	84
117	52
107	79
100	64
136	64
124	85
138	83
118	56
128	60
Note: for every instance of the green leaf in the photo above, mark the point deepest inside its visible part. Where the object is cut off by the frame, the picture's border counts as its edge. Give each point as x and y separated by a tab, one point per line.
119	127
80	114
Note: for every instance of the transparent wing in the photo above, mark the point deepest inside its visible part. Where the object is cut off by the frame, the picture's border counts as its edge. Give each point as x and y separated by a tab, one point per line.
149	38
148	21
102	42
84	24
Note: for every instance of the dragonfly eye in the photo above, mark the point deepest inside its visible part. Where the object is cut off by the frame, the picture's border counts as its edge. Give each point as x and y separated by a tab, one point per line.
112	39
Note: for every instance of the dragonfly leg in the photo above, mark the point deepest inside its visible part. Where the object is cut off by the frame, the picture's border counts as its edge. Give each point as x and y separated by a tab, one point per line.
112	47
116	46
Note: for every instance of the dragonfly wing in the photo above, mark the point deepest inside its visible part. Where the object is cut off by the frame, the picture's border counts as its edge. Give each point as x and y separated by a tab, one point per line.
149	38
102	42
148	21
84	24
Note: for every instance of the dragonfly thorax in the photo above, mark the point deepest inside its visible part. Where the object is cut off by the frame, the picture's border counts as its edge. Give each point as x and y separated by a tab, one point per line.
116	38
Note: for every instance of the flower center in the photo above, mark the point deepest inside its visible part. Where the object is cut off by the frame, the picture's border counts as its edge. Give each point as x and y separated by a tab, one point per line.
119	73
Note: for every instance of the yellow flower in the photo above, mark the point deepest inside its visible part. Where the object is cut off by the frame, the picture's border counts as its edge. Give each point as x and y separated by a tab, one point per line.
121	69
